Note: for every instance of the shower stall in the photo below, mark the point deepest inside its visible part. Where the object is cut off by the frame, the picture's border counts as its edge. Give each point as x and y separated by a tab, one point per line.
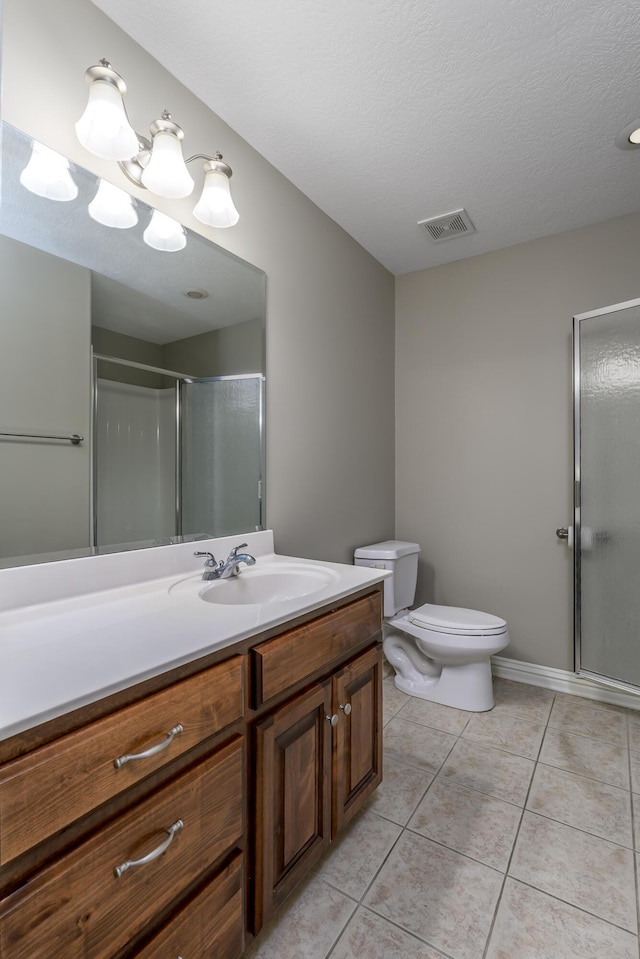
174	456
607	494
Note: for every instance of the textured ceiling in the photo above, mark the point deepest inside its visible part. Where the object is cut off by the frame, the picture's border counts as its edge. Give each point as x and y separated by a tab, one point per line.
385	112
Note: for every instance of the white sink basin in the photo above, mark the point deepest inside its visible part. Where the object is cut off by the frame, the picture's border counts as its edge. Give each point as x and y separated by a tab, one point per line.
279	583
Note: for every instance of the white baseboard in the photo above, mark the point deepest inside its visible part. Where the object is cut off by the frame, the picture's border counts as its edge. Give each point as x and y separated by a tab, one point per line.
562	681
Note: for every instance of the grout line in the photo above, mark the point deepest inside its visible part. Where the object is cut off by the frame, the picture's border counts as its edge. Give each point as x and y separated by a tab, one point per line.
515	841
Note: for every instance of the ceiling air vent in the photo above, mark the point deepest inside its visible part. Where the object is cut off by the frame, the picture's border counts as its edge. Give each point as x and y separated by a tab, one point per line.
448	226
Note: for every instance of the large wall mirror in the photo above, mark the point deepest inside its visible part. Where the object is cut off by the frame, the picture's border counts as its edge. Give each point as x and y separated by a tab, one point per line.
131	377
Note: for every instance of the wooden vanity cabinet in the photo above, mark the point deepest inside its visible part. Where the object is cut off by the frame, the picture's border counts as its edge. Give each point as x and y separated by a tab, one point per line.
318	757
122	837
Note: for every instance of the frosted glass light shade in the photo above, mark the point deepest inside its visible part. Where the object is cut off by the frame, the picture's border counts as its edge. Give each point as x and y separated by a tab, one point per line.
215	206
166	173
164	233
113	207
104	127
47	174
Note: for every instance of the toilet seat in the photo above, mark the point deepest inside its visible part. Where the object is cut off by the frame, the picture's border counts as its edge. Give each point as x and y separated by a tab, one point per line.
453	619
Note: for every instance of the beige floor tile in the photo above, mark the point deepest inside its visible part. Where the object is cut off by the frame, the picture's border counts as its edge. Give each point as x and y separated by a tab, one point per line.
592	806
438	895
368	936
400	791
634	763
503	731
590	703
469	822
308	924
586	757
531	703
392	701
490	771
416	745
594	722
633	723
356	856
635	803
533	925
446	718
591	873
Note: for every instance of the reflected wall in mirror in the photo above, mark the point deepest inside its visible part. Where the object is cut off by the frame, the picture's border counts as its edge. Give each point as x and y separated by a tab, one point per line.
154	359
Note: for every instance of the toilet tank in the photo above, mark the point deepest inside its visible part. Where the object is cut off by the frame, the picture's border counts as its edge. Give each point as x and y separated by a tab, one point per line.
402	559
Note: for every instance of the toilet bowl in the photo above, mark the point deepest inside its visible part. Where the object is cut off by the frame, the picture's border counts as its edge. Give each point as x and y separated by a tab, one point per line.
439	653
443	654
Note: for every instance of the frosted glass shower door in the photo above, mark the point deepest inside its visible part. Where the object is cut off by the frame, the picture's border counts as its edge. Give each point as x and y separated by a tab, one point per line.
221	461
607	502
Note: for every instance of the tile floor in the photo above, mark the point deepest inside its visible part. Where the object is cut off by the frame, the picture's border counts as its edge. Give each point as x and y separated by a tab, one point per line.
500	835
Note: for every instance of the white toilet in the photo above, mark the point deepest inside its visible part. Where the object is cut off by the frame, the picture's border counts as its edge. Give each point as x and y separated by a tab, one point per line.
439	653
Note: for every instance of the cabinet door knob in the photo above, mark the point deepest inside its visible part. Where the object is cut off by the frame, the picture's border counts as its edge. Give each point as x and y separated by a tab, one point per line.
333	719
152	751
164	845
346	709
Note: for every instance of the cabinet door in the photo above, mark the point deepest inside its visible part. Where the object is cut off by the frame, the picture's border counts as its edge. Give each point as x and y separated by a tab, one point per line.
357	759
293	796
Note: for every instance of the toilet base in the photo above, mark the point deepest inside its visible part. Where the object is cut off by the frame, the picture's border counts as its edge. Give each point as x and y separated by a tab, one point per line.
468	687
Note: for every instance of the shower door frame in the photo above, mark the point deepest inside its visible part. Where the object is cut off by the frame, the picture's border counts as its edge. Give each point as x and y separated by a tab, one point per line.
179	378
577	501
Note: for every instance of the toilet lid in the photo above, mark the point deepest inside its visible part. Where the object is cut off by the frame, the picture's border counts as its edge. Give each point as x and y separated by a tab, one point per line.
453	619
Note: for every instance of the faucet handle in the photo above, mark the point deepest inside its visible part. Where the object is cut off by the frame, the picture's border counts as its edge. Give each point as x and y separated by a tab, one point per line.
208	562
234	551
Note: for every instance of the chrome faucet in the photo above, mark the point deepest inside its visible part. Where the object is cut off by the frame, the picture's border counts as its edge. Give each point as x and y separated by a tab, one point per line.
231	566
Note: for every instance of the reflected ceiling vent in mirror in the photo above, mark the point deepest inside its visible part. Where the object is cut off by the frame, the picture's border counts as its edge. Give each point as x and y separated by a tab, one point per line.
157	164
448	226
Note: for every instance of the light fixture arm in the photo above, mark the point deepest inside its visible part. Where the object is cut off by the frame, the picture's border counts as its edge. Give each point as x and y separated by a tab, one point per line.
212	163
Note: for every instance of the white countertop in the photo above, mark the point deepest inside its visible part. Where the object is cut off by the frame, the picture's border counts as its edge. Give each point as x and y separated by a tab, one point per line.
107	622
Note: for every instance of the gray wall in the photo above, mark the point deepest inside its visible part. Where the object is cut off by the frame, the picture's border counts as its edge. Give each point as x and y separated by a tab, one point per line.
330	341
230	350
484	428
44	485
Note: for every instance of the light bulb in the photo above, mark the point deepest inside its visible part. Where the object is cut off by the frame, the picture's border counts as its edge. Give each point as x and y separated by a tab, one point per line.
47	174
166	172
113	207
104	127
215	206
164	233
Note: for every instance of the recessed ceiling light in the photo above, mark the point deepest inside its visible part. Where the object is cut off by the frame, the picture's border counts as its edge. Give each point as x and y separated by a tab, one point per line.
629	138
195	294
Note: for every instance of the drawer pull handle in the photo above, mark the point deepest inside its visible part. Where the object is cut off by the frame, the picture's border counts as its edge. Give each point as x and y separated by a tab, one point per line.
153	751
164	845
346	709
333	719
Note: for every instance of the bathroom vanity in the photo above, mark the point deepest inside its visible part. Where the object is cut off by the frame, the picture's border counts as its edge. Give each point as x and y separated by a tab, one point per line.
167	806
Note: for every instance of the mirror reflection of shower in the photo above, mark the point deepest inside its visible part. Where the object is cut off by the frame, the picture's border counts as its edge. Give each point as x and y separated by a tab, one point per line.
174	457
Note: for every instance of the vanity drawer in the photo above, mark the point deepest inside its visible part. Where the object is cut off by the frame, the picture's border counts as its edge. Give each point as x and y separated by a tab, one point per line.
78	908
67	778
210	927
291	657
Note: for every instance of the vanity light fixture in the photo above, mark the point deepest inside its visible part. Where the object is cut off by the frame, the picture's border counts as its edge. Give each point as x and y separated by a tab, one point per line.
157	165
164	233
47	174
113	207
